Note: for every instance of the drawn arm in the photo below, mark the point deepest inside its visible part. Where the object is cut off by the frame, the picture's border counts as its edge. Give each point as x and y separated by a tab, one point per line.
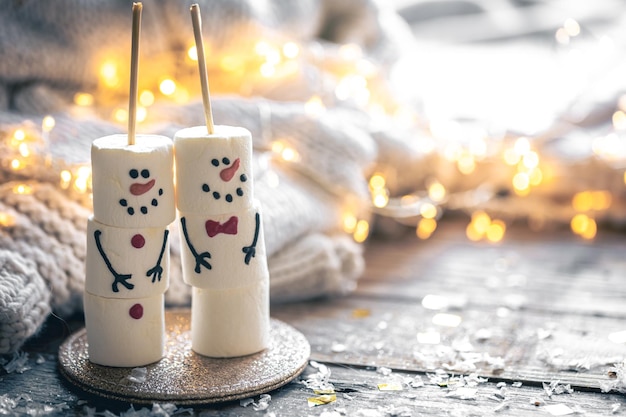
200	258
118	278
250	251
157	271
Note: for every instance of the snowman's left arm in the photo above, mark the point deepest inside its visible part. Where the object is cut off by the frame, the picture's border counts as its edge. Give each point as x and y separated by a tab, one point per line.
157	271
250	251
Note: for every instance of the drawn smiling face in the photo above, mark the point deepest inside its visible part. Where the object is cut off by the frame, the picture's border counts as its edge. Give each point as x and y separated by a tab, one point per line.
144	189
230	183
133	186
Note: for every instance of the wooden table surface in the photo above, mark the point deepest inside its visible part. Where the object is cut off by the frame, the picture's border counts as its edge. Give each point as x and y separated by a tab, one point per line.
530	326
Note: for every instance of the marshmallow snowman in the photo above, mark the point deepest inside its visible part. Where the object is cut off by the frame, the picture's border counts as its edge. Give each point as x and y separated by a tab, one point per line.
222	244
127	265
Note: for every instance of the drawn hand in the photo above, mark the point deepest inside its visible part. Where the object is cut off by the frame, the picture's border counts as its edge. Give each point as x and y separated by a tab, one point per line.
156	273
250	252
122	279
201	261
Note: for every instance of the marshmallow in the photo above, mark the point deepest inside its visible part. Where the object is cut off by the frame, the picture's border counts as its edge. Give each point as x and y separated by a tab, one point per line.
126	262
133	184
231	322
213	172
124	332
223	251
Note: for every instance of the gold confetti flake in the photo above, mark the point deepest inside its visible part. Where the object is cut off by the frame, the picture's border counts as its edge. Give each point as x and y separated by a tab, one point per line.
390	386
321	400
361	313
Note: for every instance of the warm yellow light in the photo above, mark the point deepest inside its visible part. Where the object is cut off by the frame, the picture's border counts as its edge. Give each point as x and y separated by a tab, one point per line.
6	219
480	222
146	98
590	231
273	57
230	63
530	159
624	177
582	201
619	120
23	149
66	178
349	222
192	53
167	87
262	48
579	223
267	70
314	106
601	200
466	164
83	99
19	134
425	228
82	180
181	95
380	199
535	177
291	50
48	123
16	164
350	51
108	69
361	231
142	114
289	154
22	189
495	231
377	181
277	147
511	156
572	27
521	181
108	73
120	115
428	211
473	234
436	191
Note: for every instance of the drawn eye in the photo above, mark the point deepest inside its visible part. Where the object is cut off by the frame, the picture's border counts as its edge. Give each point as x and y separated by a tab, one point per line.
215	162
133	173
226	161
205	188
145	173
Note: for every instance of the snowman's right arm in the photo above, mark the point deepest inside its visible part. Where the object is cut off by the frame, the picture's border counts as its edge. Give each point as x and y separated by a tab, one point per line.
118	278
200	258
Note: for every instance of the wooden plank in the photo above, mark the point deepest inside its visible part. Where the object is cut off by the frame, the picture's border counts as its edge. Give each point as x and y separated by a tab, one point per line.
554	272
531	346
41	391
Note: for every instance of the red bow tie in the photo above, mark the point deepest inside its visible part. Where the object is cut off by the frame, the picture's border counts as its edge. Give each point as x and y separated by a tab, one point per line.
229	227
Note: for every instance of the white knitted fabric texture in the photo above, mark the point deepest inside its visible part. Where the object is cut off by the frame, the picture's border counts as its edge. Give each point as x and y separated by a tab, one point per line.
47	52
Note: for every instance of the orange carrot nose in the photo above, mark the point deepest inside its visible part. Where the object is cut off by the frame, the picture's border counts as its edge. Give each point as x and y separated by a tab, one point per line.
227	174
139	189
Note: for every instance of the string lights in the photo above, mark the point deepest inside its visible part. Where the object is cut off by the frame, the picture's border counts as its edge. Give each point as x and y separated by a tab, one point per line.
349	79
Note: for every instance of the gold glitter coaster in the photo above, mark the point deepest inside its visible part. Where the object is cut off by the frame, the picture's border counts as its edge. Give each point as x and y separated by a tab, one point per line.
184	377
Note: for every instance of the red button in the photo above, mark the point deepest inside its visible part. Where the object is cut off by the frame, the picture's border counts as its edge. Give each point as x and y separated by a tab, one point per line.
138	241
136	311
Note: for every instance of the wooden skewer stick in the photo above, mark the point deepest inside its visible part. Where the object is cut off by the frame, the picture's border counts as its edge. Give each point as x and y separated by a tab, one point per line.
134	67
196	20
